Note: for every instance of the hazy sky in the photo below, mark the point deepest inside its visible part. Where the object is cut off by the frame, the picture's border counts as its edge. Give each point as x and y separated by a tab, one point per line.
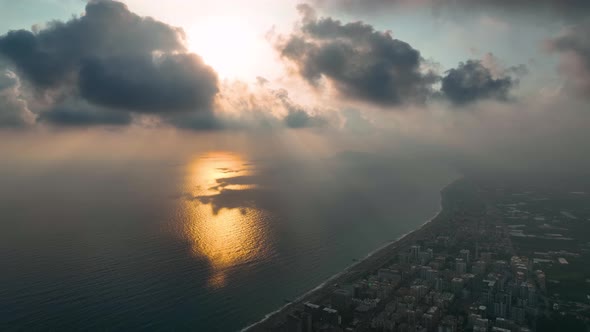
491	79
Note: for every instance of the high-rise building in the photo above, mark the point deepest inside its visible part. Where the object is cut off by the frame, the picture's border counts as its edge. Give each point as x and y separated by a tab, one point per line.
460	266
517	315
431	275
426	256
439	284
479	268
306	322
464	254
500	309
341	299
448	324
313	310
541	279
505	324
532	295
386	274
294	324
403	258
486	256
457	285
418	291
523	290
331	316
480	325
415	252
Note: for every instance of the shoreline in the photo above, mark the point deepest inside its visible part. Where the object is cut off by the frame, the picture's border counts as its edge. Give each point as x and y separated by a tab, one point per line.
387	249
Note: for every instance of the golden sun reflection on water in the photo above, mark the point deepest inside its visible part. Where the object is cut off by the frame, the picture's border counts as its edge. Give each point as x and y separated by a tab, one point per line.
225	237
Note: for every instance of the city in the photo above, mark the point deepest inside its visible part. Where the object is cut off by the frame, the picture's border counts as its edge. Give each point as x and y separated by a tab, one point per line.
467	270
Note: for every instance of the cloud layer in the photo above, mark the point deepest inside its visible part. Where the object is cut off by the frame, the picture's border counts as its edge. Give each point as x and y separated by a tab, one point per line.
111	67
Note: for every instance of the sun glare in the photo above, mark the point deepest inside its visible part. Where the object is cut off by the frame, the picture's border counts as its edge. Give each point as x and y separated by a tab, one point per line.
229	44
225	237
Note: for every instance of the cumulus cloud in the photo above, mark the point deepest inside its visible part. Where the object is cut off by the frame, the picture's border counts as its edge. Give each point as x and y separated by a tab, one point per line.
176	82
53	55
371	66
111	58
14	111
574	48
360	62
471	81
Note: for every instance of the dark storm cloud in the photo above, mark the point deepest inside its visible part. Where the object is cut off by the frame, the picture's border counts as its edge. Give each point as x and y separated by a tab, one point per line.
112	58
372	66
171	82
471	81
574	47
359	61
567	8
51	56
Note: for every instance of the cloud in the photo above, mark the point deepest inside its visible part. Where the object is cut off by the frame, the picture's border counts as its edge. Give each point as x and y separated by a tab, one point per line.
196	121
355	122
371	66
360	62
84	116
53	55
471	81
176	82
494	23
574	47
111	58
498	69
564	8
243	106
301	119
14	111
297	116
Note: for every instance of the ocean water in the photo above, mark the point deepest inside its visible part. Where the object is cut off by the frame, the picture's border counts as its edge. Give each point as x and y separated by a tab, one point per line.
210	244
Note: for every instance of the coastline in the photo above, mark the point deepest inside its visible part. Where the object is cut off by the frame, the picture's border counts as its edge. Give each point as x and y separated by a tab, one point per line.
372	259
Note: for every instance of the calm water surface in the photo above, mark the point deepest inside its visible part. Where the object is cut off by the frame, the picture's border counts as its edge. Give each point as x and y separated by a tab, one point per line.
212	244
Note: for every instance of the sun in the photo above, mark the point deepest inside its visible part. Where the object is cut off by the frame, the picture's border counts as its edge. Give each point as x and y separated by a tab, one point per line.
229	44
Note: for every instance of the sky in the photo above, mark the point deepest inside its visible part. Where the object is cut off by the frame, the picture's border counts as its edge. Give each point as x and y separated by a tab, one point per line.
489	81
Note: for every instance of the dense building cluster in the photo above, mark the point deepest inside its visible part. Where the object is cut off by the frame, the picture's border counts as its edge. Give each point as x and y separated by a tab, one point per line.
460	274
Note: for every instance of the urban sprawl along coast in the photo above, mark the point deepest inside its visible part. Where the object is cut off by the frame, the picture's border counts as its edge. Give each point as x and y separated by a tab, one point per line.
498	257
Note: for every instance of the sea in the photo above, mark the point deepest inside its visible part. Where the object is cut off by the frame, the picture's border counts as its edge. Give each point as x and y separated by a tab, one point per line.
211	243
